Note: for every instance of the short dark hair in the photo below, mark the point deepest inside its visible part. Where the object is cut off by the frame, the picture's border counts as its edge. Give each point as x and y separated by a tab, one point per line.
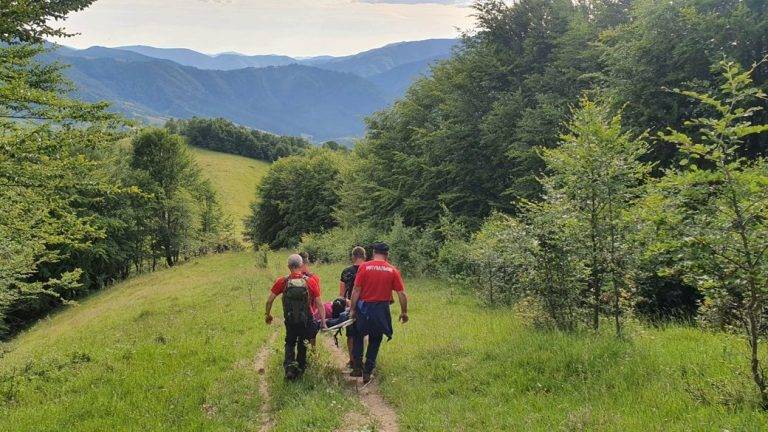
304	256
358	253
380	248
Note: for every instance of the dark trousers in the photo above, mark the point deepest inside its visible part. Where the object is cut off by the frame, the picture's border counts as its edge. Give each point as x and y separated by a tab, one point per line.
374	343
295	345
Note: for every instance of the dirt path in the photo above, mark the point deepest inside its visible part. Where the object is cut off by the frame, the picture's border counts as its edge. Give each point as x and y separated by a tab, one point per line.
379	411
260	364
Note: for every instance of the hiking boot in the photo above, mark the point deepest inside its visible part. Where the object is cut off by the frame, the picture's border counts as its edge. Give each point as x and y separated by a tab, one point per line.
366	377
351	364
356	373
290	373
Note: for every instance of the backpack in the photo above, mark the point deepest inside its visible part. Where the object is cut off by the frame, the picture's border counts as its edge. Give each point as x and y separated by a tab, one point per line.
348	277
296	301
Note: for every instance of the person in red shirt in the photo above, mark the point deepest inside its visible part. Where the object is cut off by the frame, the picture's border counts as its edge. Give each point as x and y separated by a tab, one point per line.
375	282
298	319
346	285
312	276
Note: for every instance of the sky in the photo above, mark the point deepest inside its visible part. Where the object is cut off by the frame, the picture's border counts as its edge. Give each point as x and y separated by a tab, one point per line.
288	27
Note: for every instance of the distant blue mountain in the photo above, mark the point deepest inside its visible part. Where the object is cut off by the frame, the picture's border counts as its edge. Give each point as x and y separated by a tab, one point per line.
226	61
328	100
396	81
380	60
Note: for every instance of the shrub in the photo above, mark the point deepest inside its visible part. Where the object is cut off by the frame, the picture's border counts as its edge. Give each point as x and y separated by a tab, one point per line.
296	196
413	250
336	244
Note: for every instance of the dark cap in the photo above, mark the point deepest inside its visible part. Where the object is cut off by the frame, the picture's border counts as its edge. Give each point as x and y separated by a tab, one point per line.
380	248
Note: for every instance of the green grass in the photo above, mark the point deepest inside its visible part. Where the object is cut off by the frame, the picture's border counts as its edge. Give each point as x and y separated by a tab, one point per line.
458	366
235	179
174	350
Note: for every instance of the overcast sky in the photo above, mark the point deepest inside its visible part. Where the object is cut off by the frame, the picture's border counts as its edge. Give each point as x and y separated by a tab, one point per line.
290	27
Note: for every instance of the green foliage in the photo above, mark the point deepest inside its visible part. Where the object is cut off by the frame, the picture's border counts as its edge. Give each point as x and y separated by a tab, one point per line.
28	21
224	136
562	250
667	45
596	172
413	250
53	176
335	244
297	196
464	138
262	256
711	211
186	216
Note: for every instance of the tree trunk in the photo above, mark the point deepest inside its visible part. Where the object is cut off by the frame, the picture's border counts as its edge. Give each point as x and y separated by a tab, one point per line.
594	272
614	266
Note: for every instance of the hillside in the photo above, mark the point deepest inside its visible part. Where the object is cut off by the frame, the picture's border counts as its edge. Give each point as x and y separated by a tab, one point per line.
175	350
288	100
226	61
380	60
323	98
234	178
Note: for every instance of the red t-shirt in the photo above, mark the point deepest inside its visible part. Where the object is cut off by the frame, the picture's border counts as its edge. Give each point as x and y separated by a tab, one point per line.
312	285
316	278
377	279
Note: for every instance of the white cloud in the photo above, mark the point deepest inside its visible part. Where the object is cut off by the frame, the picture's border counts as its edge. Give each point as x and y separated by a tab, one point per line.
413	2
291	27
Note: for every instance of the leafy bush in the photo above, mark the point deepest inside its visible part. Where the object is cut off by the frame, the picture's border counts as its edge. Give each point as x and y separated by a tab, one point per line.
297	196
335	245
413	250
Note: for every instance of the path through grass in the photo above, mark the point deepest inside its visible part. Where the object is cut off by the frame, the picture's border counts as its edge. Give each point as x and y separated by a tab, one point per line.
176	350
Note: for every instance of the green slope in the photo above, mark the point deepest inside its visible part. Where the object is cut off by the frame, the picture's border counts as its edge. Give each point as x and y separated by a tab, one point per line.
235	179
174	350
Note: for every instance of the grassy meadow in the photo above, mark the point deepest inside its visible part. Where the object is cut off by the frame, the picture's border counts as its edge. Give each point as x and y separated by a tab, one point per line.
175	350
172	350
235	179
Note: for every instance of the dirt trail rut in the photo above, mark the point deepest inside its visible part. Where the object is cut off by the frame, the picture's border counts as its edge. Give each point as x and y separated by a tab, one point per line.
260	364
378	409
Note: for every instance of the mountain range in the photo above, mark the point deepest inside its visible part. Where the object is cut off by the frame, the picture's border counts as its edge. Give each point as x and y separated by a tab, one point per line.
321	98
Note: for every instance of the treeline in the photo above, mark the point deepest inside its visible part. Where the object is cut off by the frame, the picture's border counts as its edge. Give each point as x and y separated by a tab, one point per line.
224	136
553	162
84	202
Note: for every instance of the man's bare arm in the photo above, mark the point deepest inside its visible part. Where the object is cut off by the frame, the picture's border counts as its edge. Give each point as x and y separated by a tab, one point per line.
403	306
353	301
321	308
342	289
267	312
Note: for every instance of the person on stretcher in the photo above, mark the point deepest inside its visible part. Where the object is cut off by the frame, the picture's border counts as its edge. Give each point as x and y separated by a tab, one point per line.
336	312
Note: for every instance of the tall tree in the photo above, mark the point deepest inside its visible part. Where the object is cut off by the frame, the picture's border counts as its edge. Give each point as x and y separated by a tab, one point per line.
712	210
47	176
168	172
597	168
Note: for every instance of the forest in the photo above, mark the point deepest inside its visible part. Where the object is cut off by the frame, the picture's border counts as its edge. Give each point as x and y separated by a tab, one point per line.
597	161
